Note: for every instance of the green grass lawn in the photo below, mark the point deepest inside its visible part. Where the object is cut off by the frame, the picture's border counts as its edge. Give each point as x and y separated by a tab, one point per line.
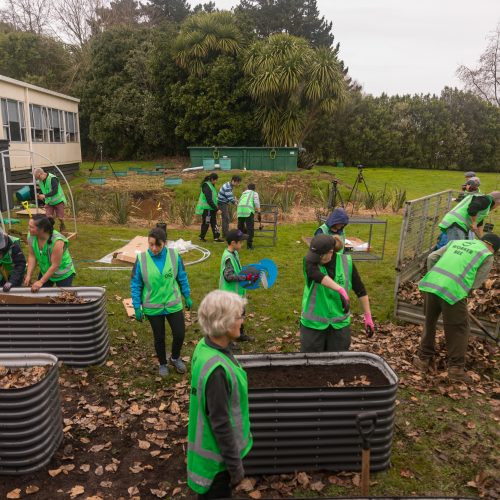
275	312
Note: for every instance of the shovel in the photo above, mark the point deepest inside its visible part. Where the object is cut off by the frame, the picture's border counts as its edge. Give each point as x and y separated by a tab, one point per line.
483	329
369	417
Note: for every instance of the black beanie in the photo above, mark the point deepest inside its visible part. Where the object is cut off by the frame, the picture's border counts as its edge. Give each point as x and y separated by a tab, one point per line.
493	240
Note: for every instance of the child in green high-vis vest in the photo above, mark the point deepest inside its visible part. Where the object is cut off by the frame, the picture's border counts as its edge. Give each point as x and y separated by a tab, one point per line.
230	268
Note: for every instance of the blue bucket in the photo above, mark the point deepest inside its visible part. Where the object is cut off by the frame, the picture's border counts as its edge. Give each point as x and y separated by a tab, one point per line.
121	173
208	164
134	169
99	181
172	181
225	163
23	194
103	167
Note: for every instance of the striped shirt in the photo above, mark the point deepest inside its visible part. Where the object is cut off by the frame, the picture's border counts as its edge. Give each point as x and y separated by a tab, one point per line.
226	194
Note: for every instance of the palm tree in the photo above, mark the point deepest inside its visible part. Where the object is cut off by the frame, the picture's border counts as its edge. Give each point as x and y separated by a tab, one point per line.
292	83
203	36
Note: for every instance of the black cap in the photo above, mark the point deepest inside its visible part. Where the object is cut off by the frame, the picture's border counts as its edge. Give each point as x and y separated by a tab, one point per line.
320	244
235	235
493	239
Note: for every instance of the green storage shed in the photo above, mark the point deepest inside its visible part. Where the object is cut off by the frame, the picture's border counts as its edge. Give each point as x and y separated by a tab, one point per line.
251	158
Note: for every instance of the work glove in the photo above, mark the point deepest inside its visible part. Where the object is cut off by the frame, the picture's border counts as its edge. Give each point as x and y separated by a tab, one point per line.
189	303
7	286
369	326
253	278
344	297
139	315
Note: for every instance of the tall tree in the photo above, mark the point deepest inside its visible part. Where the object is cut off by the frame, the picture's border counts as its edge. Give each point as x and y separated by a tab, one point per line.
158	11
27	15
484	79
203	37
300	18
292	84
122	13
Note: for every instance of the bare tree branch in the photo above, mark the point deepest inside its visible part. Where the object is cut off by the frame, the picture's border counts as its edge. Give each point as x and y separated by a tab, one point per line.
28	15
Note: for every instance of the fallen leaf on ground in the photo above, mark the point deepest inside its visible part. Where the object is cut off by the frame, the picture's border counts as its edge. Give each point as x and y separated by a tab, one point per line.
255	494
158	493
144	445
133	490
406	473
14	493
32	489
54	472
76	491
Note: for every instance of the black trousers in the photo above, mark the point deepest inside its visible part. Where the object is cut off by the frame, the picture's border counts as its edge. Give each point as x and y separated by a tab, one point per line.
209	217
178	327
246	225
221	487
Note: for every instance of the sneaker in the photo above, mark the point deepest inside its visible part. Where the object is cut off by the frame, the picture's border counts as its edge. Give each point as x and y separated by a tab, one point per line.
457	374
178	365
202	238
163	371
245	338
219	240
424	365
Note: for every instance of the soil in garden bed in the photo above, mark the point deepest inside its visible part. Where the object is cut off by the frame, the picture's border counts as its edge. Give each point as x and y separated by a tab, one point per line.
347	375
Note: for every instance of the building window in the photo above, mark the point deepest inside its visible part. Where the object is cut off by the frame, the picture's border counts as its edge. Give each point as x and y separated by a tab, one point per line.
14	128
71	127
56	125
39	123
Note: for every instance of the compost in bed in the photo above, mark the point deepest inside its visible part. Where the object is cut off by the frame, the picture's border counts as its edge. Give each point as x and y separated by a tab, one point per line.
348	375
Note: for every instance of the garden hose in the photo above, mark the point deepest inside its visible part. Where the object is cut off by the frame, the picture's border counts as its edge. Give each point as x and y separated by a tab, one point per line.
272	154
216	154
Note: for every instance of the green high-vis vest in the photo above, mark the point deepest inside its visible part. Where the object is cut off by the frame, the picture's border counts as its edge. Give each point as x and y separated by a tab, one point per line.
202	200
321	306
161	292
230	286
453	275
246	205
204	459
460	216
6	261
44	256
46	187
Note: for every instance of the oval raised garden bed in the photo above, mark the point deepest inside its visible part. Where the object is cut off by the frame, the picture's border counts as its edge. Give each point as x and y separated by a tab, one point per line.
31	425
76	332
303	410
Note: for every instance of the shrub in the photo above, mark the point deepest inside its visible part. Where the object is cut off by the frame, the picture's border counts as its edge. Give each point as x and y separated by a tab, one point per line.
184	209
120	207
385	198
287	200
398	199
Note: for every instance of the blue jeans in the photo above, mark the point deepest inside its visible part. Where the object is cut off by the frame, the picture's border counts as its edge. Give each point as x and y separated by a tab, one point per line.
456	233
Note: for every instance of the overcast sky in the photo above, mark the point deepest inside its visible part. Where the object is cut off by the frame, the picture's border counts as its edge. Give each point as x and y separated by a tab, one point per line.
407	46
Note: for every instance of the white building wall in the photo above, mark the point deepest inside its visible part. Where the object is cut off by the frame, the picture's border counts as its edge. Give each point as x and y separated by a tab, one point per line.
59	153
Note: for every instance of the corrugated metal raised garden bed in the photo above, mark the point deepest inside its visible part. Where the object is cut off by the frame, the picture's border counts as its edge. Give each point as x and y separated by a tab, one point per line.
303	410
31	426
75	331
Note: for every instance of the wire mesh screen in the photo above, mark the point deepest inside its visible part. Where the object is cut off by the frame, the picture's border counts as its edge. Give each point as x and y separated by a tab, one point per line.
420	231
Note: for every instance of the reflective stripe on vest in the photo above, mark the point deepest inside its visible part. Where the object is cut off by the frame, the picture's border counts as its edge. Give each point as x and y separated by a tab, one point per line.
325	229
309	313
246	205
446	290
230	286
147	283
46	187
460	216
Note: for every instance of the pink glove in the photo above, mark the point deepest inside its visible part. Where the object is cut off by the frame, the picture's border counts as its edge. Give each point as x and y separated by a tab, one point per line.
344	297
369	326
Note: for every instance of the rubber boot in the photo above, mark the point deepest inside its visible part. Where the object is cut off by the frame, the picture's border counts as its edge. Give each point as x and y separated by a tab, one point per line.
457	374
424	365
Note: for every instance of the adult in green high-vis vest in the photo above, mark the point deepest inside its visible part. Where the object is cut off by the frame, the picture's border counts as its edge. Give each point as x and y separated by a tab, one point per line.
207	207
52	195
49	249
454	271
157	283
12	262
219	434
469	215
329	276
229	273
248	205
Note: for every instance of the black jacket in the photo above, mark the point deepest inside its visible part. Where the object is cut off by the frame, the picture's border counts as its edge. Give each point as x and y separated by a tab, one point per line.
18	260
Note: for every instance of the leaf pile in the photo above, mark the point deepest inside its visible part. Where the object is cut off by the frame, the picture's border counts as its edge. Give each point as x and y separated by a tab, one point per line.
17	378
67	297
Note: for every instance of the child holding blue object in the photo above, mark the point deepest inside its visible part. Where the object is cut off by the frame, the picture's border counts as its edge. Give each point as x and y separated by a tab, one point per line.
157	282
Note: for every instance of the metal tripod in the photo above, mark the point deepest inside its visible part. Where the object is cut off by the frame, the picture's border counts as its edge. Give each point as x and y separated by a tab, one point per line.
335	196
99	156
360	179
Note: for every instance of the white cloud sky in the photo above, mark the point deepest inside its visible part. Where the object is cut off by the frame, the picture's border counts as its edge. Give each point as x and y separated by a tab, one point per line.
407	46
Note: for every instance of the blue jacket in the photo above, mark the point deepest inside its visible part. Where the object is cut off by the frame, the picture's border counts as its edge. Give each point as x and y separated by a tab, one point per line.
338	216
137	284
